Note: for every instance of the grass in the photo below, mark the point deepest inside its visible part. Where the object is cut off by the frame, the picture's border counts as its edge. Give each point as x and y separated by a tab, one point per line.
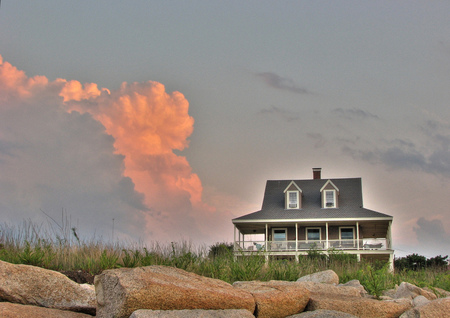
63	250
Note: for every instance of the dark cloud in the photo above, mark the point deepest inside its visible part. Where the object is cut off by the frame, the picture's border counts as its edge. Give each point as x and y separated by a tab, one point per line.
354	113
278	82
432	237
280	112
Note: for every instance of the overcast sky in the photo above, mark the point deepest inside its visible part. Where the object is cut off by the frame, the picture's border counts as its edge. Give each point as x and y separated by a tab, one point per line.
166	118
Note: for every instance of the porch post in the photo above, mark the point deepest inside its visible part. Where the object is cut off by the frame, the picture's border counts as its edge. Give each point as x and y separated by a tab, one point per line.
389	237
391	262
296	242
357	235
234	237
267	244
326	233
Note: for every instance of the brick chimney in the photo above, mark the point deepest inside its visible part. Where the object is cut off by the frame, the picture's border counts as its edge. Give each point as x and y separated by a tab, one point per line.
316	173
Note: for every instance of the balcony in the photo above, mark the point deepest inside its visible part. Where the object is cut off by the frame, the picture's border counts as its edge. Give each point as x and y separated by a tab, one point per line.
303	246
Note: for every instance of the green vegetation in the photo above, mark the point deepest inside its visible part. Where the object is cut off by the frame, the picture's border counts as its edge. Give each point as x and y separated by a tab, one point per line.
65	251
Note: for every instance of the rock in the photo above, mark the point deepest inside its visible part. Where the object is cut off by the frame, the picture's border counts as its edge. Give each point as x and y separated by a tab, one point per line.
323	313
420	301
359	306
439	292
326	277
410	291
192	313
30	285
122	291
10	310
436	308
276	298
356	284
330	290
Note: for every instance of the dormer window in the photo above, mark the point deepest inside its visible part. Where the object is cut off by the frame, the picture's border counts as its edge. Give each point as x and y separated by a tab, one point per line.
293	196
330	194
330	201
293	199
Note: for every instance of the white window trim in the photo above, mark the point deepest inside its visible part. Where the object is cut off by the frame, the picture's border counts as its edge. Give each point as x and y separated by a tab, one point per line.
279	228
325	199
347	227
313	228
288	201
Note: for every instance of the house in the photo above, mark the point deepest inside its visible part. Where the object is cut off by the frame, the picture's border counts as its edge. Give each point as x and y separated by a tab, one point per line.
321	214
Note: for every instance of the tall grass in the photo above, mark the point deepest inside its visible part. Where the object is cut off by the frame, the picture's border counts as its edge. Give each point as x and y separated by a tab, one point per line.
63	250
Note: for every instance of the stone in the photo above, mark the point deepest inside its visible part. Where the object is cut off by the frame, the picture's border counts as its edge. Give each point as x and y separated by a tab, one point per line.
323	313
192	313
30	285
276	298
436	308
439	292
10	310
410	291
330	290
359	306
122	291
420	301
356	284
326	277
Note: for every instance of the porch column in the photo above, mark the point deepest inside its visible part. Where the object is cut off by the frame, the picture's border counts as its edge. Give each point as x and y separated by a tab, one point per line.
326	234
267	244
389	237
358	257
296	237
234	237
391	262
357	235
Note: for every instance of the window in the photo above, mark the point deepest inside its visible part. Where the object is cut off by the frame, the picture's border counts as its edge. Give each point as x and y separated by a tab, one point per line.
279	234
293	200
330	201
347	233
313	234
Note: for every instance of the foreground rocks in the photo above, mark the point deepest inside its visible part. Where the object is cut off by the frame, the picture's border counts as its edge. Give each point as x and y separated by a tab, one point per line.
30	285
166	292
122	291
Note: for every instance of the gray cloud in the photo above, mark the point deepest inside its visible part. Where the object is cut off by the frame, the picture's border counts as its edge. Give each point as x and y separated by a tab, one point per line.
280	112
52	160
432	236
278	82
354	113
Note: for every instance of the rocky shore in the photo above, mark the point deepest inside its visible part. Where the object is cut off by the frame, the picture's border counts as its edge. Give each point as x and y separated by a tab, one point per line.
166	292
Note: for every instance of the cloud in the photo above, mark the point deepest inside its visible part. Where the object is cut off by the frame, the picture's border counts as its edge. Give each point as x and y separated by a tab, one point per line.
101	154
354	113
278	82
432	236
286	115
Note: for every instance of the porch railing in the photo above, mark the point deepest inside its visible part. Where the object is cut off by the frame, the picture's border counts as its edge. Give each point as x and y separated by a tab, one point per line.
305	245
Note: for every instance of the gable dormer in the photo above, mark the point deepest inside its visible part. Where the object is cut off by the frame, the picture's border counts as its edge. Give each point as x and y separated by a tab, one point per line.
330	195
292	196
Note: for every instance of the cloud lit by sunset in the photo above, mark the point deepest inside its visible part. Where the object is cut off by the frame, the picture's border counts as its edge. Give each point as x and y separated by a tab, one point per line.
146	125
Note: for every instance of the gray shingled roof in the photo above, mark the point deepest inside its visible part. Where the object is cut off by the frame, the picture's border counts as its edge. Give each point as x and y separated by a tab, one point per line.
350	202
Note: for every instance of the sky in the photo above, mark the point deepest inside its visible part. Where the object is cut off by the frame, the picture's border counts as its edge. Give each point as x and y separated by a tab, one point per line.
162	120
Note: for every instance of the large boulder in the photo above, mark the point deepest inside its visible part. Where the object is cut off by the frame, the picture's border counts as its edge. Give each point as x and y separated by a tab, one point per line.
192	313
276	298
10	310
330	290
122	291
433	309
30	285
410	291
359	306
323	313
326	277
356	284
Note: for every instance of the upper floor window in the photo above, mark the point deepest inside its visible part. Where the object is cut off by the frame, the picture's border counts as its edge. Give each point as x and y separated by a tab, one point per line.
330	194
330	200
293	196
293	199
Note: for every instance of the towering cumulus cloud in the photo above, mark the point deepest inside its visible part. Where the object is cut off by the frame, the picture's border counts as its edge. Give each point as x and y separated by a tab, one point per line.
101	155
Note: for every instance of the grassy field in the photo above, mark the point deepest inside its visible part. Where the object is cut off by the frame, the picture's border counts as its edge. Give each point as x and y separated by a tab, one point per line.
63	250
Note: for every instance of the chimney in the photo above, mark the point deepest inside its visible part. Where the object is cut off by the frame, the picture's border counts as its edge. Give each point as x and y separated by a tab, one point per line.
316	173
